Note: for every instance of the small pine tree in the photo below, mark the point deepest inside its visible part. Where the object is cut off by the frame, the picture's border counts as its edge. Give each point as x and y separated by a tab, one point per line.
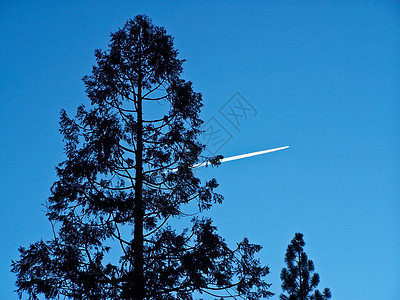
299	279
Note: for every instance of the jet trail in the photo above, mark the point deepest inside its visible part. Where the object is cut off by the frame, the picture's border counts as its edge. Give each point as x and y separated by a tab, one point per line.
241	156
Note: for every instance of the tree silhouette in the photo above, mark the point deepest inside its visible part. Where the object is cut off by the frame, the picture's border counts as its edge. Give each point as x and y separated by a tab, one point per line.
126	176
299	279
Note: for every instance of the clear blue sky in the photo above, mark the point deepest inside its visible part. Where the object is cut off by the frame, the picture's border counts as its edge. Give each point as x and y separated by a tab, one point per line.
323	76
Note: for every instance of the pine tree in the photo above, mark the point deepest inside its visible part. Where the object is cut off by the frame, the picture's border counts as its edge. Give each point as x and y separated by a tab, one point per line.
126	176
299	279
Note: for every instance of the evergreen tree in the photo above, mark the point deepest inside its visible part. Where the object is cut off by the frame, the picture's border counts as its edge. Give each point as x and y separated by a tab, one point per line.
126	176
299	279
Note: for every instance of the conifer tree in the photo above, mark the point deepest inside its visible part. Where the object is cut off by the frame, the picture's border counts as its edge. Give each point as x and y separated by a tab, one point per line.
299	280
127	174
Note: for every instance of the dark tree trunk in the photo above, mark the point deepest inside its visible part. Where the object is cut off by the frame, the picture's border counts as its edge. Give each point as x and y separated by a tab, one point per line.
138	277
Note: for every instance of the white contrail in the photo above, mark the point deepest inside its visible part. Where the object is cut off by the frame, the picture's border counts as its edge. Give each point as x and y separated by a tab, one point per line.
241	156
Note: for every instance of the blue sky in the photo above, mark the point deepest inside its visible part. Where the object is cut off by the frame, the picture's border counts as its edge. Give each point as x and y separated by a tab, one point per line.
322	76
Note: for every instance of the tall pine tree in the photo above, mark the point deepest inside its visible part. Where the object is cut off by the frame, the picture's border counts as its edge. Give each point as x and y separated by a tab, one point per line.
126	176
299	279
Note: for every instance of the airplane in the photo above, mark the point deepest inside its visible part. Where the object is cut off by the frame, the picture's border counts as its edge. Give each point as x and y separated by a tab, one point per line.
236	157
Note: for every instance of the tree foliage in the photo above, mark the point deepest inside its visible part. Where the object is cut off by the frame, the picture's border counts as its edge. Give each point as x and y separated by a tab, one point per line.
127	180
299	280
